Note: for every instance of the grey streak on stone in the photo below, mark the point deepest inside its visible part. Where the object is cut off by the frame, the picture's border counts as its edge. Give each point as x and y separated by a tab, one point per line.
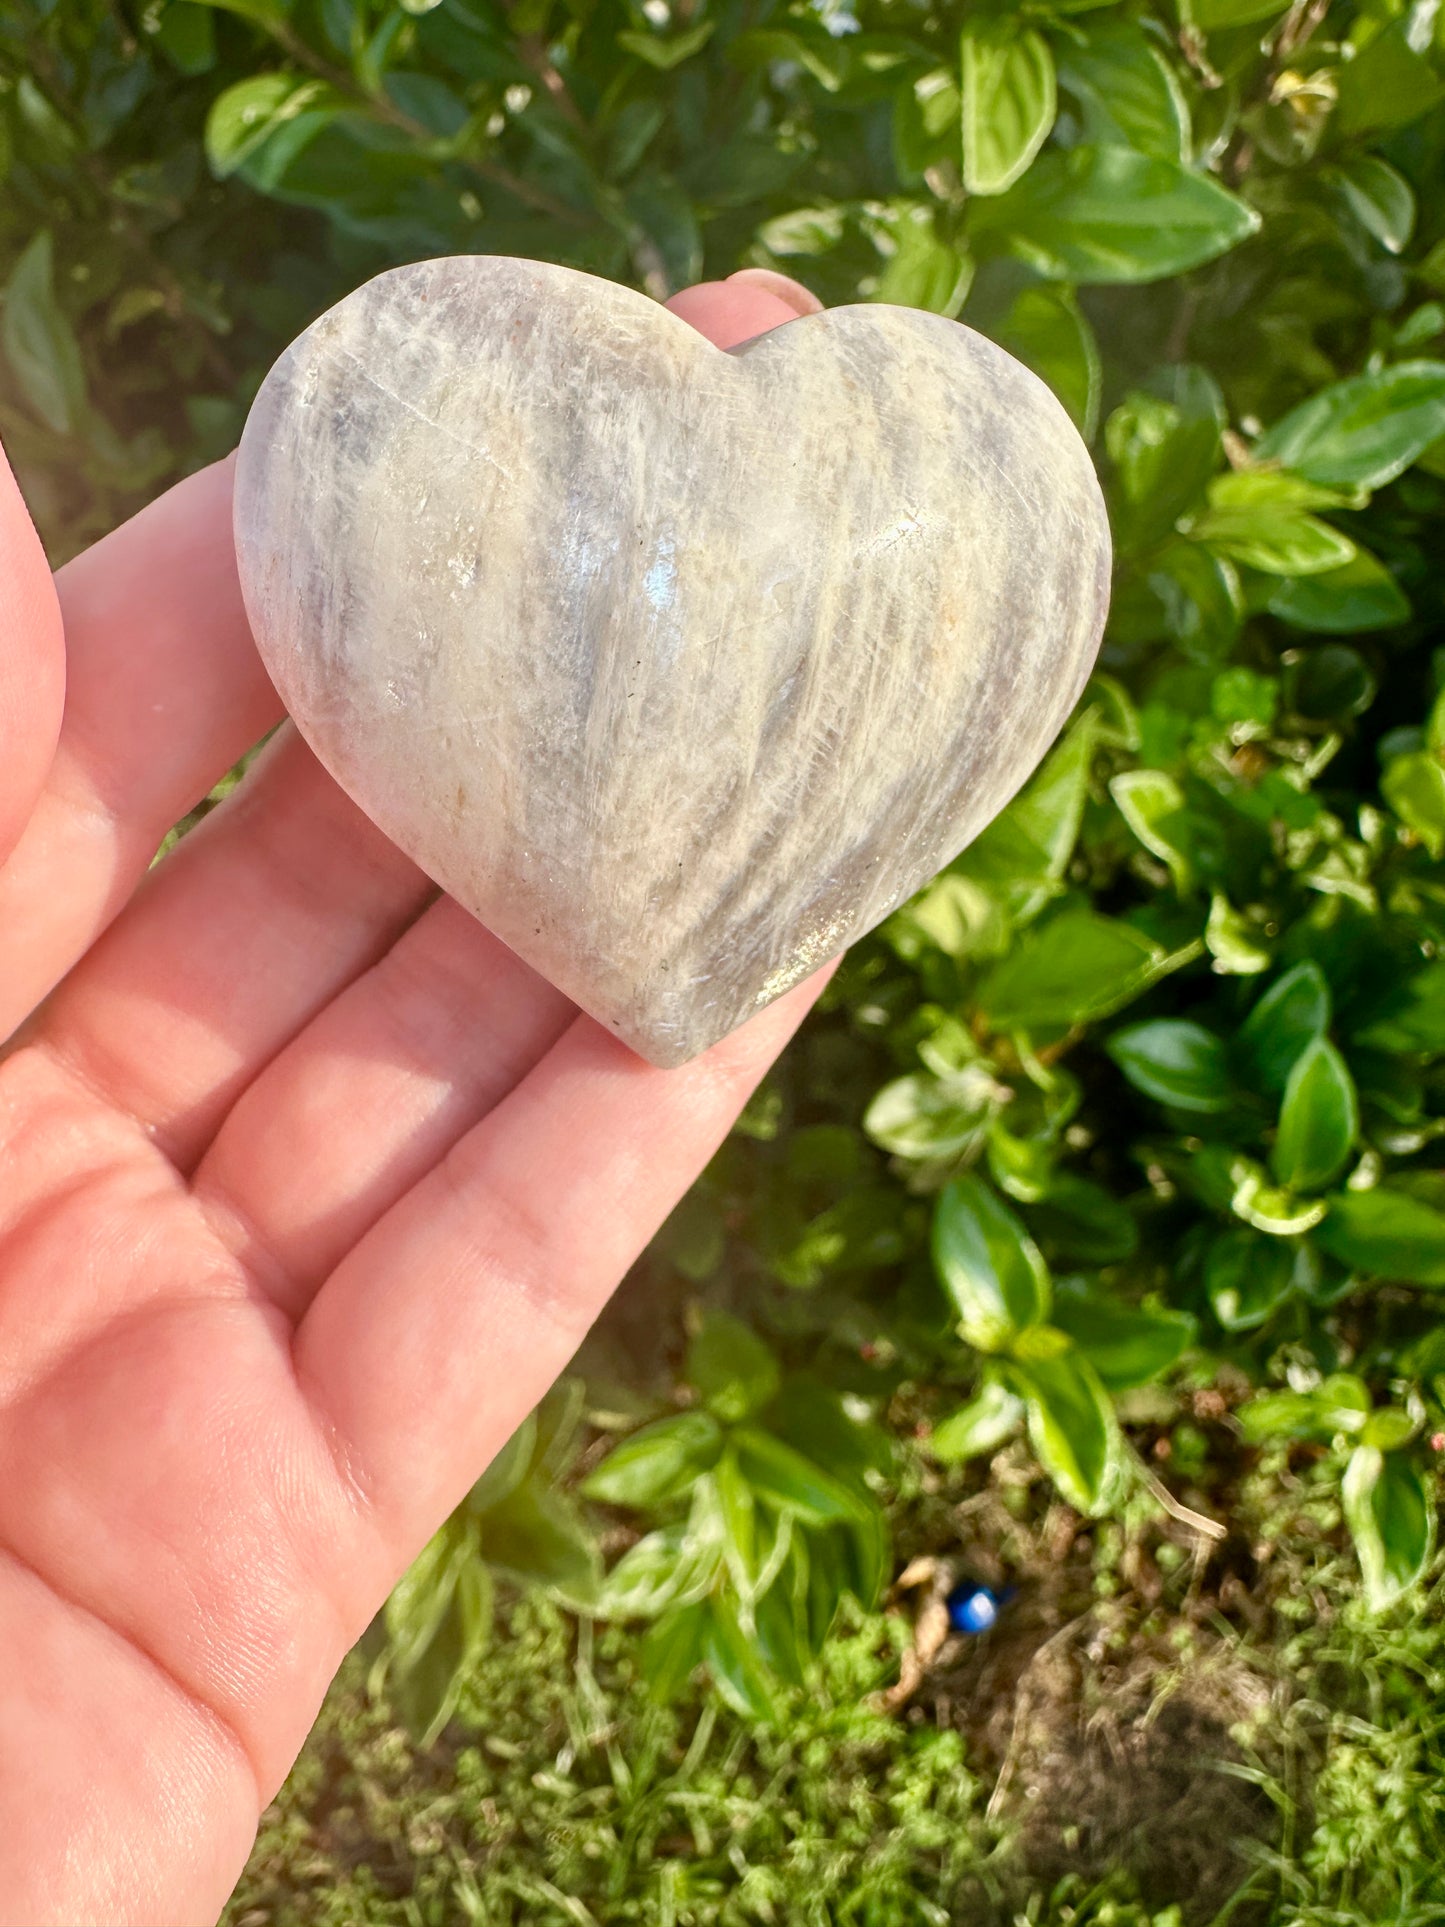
680	669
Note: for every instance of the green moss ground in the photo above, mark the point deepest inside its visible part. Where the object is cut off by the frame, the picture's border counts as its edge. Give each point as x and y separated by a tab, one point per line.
1141	1743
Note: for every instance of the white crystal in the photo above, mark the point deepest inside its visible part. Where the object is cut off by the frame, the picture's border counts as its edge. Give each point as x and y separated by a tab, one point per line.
678	668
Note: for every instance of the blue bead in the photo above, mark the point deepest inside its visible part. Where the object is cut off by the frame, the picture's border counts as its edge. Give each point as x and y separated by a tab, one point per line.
972	1608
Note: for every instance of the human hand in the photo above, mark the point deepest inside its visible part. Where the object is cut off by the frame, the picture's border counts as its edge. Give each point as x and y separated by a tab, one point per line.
311	1189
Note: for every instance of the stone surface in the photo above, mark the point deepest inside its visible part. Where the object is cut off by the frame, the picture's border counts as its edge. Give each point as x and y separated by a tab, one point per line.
679	668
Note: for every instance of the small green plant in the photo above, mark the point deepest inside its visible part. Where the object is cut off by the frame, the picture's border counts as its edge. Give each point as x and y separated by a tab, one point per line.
515	1525
766	1489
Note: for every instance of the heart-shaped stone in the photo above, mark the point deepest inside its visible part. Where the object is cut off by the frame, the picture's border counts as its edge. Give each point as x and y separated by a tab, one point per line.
678	668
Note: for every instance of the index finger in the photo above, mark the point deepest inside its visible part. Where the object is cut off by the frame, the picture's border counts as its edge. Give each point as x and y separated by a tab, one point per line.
165	691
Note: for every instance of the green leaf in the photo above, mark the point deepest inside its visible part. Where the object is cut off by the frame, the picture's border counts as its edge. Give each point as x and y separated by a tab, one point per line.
819	1423
1278	541
1080	1221
1392	1521
1126	91
420	1599
1248	1277
1414	787
739	1514
1318	1120
1267	488
658	1462
439	1620
694	1236
925	124
957	915
39	342
664	54
1111	214
1231	940
265	13
247	114
1389	1429
982	1425
558	1417
1360	595
1071	1425
987	1264
1023	854
807	42
1072	969
1213	15
507	1470
861	1232
804	230
1332	681
1178	1062
1009	101
921	269
868	1550
1242	696
820	1568
1272	1208
1363	432
1414	1017
1288	1018
1389	82
1046	329
649	1576
1386	1234
1379	199
736	1666
1165	448
786	1480
1339	1405
537	1535
779	1627
920	1116
673	1650
1152	804
732	1369
1202	601
187	36
1127	1345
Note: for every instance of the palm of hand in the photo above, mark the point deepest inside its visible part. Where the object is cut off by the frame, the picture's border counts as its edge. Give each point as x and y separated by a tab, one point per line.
311	1189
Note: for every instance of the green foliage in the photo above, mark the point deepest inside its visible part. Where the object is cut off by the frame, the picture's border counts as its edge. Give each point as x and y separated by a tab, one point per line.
1149	1084
766	1519
515	1525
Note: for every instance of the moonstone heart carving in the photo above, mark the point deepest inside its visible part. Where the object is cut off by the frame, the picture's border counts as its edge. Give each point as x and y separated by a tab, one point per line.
678	668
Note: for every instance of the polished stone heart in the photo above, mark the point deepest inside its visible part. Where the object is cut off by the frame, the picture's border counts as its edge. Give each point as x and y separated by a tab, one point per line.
678	668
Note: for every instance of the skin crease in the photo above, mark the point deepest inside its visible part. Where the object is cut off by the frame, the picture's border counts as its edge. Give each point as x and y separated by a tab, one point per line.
312	1188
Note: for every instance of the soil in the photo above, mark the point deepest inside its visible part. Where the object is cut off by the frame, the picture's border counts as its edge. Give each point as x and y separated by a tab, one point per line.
1119	1732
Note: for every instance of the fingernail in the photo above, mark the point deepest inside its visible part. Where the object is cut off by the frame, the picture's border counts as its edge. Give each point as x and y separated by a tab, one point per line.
802	300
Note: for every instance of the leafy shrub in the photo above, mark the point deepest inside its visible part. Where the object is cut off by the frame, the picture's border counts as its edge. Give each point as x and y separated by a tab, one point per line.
1153	1071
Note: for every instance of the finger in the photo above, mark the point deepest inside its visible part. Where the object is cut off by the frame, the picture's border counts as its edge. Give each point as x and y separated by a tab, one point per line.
438	1334
32	663
361	1106
205	979
165	691
747	304
260	916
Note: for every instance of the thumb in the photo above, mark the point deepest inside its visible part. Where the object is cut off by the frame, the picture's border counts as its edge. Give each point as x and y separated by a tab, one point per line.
32	663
